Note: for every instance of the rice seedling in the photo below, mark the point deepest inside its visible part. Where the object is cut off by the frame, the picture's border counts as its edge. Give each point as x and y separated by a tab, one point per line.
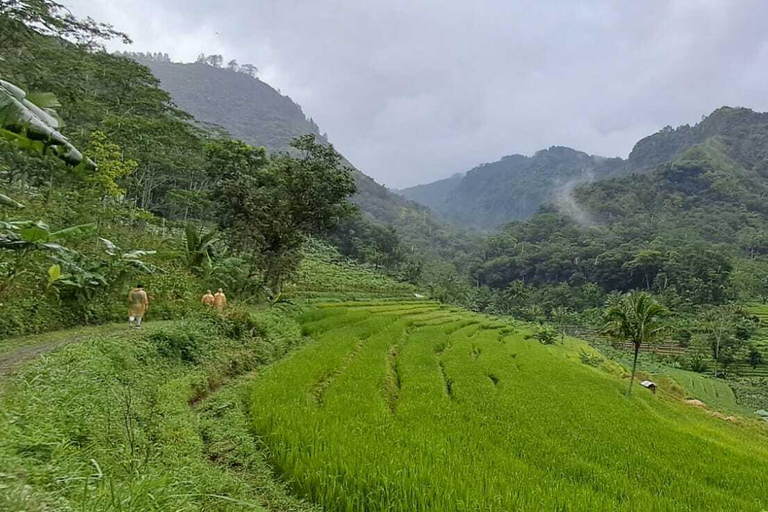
416	407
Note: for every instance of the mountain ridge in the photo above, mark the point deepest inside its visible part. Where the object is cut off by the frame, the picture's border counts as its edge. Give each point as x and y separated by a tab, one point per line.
514	187
255	112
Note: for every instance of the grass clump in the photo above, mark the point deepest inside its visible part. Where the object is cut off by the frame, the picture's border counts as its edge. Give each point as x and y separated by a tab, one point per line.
129	420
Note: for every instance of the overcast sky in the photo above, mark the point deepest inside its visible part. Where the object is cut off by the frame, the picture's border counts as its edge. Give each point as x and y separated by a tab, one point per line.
416	90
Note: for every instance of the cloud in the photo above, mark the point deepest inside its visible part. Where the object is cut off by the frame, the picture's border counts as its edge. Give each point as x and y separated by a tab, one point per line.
413	91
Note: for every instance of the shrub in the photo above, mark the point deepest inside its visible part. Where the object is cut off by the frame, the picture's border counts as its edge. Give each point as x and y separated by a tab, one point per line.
590	359
190	342
545	334
241	325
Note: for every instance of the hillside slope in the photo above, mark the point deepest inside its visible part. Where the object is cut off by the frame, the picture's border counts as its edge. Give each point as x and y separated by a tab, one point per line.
516	186
253	111
433	195
419	407
512	188
693	229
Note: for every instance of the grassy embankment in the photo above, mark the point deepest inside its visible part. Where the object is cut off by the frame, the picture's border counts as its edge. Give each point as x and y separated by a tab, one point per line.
108	418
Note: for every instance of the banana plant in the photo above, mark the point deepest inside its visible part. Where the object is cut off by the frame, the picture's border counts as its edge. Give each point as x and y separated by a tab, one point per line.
121	265
34	127
199	248
80	279
23	237
31	123
29	235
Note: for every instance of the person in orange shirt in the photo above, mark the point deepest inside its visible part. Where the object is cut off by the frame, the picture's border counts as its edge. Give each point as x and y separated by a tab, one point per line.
208	298
138	304
220	300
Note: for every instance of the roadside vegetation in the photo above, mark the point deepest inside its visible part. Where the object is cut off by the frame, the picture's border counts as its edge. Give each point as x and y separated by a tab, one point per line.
120	420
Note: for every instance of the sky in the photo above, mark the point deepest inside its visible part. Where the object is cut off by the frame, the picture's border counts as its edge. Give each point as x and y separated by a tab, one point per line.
411	91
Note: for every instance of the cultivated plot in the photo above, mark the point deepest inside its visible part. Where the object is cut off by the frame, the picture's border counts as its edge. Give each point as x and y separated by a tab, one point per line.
419	407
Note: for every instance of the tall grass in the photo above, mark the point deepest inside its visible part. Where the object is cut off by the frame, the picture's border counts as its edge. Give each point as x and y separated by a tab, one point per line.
123	421
422	408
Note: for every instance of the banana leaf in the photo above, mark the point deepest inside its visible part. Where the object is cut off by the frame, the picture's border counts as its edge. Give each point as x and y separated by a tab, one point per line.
138	253
70	232
110	247
7	201
35	232
21	119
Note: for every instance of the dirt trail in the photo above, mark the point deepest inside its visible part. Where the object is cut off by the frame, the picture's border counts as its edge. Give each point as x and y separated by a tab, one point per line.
16	351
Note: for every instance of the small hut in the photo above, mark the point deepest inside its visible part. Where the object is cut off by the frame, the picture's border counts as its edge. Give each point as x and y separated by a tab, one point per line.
649	385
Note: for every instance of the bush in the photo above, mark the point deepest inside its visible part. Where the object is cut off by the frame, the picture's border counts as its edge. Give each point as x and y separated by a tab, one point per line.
241	325
191	342
590	359
546	335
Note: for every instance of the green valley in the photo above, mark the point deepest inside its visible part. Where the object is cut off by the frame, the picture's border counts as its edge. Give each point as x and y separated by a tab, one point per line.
593	335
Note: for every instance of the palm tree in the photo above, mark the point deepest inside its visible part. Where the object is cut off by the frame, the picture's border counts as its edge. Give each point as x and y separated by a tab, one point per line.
636	318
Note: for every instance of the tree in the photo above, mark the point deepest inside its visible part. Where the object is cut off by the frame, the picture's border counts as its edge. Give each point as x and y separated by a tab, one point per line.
266	208
214	60
249	69
19	18
102	181
718	324
561	316
516	295
637	319
232	66
755	357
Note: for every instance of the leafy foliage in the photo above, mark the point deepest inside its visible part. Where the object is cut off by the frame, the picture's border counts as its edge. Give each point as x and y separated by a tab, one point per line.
266	208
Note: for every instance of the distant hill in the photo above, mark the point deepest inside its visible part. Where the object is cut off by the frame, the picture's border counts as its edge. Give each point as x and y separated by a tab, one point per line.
511	189
516	186
249	109
694	228
432	194
255	112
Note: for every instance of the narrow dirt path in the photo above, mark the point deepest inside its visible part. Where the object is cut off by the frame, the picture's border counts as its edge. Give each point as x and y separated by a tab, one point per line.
16	351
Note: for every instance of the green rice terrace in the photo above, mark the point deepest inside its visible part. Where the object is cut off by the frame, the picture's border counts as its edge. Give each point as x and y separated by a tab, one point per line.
415	406
371	405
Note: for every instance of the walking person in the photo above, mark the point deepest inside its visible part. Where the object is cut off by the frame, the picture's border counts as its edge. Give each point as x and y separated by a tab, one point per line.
220	300
208	299
138	304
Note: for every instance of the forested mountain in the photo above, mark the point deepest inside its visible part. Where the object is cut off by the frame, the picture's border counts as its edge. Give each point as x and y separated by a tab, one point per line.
253	111
433	195
512	188
692	230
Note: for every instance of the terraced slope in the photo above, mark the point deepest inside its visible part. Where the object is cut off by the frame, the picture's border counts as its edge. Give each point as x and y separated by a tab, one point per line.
761	342
414	406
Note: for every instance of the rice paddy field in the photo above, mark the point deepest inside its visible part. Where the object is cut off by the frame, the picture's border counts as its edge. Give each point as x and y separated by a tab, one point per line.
413	406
